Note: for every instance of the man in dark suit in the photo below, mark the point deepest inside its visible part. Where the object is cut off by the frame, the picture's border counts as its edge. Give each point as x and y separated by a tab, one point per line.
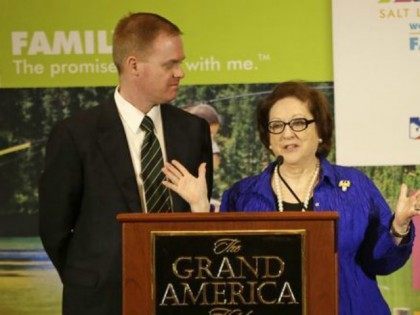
93	167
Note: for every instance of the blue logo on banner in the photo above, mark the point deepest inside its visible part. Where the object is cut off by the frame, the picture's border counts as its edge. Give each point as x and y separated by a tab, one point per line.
414	128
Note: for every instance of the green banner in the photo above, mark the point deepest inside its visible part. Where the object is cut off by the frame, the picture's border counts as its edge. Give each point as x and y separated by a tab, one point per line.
63	44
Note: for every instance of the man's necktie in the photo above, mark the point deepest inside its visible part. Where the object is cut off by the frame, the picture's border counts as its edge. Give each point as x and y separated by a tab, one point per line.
157	195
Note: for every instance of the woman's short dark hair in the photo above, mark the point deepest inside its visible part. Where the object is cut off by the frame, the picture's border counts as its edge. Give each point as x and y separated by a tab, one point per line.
317	105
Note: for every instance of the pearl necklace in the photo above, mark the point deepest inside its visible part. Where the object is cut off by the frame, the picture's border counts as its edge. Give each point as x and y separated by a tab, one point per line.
308	193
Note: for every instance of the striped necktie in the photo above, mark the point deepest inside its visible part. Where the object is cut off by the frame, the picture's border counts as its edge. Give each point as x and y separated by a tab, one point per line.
157	195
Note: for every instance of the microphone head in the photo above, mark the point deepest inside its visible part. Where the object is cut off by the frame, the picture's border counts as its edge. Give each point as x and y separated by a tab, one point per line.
280	160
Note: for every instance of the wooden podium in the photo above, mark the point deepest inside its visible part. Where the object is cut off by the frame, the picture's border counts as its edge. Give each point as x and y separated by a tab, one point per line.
149	239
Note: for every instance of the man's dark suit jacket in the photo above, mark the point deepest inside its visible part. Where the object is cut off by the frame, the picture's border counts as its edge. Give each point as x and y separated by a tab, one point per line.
88	179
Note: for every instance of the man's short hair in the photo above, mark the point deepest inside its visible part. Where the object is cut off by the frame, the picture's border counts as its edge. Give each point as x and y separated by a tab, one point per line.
136	32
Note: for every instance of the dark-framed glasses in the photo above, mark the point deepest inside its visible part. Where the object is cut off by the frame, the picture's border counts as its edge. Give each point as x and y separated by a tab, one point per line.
297	124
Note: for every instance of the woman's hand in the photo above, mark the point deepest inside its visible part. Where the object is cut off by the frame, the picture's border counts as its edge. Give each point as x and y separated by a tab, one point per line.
192	189
408	206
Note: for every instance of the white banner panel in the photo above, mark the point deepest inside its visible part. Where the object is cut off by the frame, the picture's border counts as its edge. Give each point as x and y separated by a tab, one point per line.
377	81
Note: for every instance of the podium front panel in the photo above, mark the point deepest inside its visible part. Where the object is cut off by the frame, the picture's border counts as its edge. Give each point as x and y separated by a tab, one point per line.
229	263
224	272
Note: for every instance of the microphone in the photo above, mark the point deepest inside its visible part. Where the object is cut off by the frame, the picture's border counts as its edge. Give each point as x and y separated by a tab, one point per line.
280	160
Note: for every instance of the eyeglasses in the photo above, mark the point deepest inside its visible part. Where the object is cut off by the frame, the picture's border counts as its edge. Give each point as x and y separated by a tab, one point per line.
297	124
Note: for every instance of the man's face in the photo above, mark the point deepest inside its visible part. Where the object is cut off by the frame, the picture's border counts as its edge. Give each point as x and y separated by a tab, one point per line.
161	71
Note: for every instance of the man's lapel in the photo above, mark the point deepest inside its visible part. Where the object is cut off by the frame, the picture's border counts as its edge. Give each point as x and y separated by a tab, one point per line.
170	132
175	145
114	146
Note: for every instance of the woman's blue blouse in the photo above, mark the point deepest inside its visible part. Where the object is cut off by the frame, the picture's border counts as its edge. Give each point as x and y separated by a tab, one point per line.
366	247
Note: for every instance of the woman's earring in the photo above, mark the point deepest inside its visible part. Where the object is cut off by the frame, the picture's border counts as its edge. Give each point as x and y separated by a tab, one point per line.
320	140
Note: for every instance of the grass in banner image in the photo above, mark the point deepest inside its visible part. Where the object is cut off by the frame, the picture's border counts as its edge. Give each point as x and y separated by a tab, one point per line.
28	281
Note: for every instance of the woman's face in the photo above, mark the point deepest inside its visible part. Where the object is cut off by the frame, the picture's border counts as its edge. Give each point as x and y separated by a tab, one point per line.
296	147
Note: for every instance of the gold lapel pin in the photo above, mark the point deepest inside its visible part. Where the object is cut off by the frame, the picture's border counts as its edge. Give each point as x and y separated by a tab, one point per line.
344	184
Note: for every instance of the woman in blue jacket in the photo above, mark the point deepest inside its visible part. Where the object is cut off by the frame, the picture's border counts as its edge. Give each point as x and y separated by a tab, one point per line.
295	124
